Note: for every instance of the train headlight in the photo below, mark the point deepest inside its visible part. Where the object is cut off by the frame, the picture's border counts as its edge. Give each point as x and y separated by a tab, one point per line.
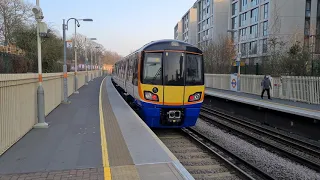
150	96
195	97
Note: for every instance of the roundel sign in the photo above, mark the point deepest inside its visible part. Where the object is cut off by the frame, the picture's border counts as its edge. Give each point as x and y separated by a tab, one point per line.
234	83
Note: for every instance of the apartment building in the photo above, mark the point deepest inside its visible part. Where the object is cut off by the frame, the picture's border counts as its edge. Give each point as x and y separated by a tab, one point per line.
178	31
254	22
212	20
186	28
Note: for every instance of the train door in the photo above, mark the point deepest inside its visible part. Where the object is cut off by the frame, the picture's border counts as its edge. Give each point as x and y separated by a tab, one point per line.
135	76
125	75
129	84
173	75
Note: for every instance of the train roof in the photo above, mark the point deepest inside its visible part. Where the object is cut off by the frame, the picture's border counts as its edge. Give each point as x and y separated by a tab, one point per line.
170	44
167	44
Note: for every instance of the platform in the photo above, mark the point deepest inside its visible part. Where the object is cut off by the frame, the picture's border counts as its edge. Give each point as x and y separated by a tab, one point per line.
97	136
296	108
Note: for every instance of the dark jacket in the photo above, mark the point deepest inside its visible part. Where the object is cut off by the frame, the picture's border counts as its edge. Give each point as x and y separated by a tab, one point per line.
266	83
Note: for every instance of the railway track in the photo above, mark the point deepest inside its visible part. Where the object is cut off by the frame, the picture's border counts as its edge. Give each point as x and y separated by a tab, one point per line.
303	152
205	159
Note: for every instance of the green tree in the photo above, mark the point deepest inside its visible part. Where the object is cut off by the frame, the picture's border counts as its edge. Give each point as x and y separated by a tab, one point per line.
51	47
297	61
13	15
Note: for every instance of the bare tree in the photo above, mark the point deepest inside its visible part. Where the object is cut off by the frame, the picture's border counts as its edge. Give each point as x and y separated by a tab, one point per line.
13	14
94	49
219	55
110	57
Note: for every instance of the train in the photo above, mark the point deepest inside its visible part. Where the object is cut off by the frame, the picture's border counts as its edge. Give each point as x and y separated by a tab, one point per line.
164	81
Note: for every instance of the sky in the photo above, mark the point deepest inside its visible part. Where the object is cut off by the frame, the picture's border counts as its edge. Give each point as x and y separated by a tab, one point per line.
119	25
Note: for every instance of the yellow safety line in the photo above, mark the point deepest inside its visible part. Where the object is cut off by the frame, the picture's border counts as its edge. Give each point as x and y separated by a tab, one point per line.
104	149
293	107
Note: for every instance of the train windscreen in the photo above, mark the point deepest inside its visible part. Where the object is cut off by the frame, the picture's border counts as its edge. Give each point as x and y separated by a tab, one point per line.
179	69
152	69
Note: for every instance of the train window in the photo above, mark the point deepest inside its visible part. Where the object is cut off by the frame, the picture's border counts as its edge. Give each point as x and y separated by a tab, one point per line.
135	71
152	71
130	69
127	69
174	69
194	74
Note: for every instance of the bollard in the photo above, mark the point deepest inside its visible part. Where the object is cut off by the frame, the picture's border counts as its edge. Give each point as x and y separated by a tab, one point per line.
41	113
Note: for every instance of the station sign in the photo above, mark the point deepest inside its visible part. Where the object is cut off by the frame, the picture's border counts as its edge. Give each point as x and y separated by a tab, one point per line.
237	63
69	43
234	82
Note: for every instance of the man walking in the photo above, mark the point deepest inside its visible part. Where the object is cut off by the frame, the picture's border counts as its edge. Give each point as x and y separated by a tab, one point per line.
266	86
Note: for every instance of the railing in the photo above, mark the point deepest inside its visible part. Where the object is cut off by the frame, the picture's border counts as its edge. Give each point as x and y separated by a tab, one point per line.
18	101
294	88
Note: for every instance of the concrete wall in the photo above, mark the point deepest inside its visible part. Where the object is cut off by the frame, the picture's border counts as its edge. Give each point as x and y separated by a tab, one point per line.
193	24
220	18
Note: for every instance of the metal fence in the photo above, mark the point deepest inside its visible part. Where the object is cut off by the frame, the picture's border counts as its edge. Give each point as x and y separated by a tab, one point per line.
18	101
295	88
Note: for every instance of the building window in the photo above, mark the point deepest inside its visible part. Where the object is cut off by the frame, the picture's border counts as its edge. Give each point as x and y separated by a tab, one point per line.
307	27
265	28
254	31
243	34
244	5
264	46
243	18
234	8
253	47
234	22
254	15
243	49
265	11
308	8
254	2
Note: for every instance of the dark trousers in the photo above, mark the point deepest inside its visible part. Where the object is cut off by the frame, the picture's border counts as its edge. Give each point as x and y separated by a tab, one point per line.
268	92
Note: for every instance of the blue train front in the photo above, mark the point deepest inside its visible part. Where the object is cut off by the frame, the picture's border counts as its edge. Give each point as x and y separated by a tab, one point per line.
165	81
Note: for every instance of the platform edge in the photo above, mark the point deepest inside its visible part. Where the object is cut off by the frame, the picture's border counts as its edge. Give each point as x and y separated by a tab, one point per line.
259	104
174	159
105	159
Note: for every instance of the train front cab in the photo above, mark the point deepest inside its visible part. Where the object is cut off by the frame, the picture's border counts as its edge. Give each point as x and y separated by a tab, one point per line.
171	89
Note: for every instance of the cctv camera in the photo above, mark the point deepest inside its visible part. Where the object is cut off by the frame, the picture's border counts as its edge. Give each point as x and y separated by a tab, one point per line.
36	10
78	25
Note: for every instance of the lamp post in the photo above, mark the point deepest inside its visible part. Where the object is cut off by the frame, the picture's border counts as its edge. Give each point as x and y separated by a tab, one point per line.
40	91
91	63
238	49
97	47
86	56
65	75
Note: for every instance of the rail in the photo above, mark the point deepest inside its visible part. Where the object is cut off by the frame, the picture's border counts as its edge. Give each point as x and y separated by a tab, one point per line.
306	153
18	101
205	159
